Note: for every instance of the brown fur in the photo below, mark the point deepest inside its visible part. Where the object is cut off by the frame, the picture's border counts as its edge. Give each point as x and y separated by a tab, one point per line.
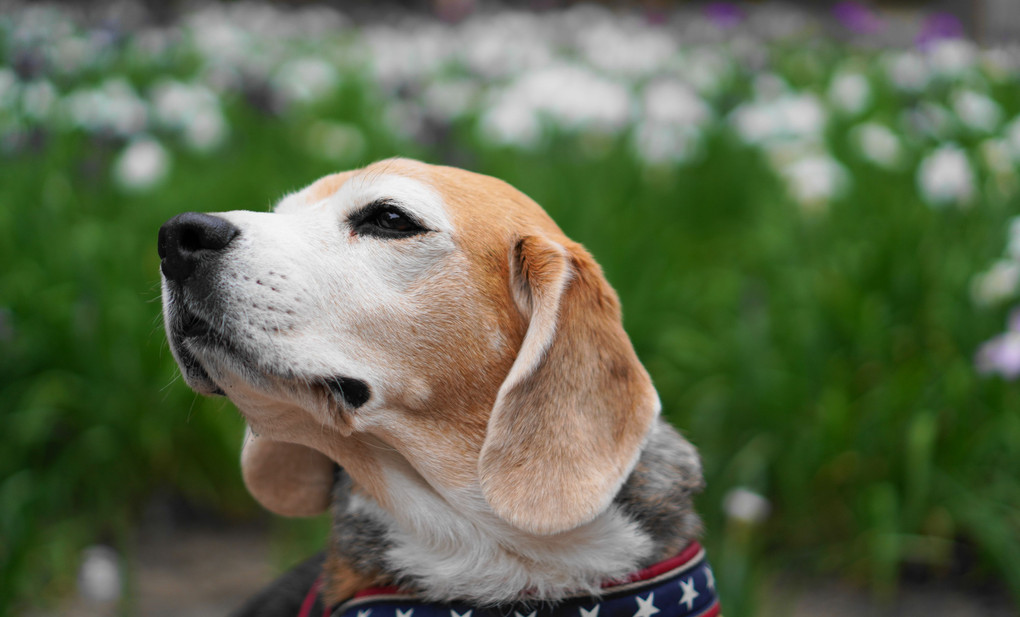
562	438
549	420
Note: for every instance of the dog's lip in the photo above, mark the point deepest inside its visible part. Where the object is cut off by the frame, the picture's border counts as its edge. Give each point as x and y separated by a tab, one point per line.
194	336
191	325
188	325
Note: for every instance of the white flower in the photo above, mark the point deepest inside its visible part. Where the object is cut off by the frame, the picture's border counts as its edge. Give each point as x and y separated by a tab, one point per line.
448	99
998	284
977	112
756	122
746	506
504	44
850	92
99	576
877	144
658	142
206	130
305	80
508	123
1000	355
945	177
141	165
804	115
217	38
191	109
907	71
769	86
571	97
789	117
672	102
113	106
707	70
625	48
952	57
153	45
37	99
815	180
72	54
408	55
175	102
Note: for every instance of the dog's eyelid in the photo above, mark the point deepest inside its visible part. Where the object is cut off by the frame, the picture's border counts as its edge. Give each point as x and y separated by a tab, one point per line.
366	220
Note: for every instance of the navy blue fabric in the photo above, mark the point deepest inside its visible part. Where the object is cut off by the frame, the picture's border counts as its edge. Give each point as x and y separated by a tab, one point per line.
686	591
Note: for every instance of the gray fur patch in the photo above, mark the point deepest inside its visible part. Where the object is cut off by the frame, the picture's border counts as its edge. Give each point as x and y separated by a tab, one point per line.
659	494
361	539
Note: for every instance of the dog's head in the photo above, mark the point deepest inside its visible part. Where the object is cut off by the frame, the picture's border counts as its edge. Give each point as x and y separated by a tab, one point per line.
412	317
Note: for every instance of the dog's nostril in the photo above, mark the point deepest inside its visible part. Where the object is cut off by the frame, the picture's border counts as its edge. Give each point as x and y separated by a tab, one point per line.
185	238
190	239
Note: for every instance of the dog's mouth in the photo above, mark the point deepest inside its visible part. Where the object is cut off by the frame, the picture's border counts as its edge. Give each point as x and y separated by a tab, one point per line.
193	337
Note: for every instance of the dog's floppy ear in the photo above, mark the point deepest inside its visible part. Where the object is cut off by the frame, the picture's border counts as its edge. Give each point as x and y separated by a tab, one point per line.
286	478
573	412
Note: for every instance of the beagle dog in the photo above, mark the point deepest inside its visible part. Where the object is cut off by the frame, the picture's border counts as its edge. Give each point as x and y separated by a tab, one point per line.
423	350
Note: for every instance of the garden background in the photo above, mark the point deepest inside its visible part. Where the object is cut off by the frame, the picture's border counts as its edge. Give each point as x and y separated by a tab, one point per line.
808	215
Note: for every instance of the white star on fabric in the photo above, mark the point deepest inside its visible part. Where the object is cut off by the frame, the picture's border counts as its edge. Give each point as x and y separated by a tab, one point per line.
454	613
406	613
646	608
365	613
710	576
516	614
689	593
592	613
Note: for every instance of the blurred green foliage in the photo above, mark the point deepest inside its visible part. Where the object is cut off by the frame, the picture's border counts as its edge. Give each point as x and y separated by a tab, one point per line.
821	357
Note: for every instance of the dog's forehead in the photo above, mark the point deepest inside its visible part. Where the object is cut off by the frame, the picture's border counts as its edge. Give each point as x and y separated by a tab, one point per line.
473	204
477	199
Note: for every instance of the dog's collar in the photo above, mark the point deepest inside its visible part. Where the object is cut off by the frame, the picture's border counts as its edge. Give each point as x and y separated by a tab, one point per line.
682	586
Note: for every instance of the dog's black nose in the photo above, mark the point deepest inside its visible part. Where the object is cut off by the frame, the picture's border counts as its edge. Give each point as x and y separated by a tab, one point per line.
187	238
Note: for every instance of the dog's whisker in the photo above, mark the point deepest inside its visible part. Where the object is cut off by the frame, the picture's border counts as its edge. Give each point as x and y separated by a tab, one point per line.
191	408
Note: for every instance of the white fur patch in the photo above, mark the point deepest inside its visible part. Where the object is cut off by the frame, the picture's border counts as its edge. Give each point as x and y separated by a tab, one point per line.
456	548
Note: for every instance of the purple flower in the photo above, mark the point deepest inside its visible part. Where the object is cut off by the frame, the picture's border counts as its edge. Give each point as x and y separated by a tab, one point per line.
724	15
939	26
1001	355
857	17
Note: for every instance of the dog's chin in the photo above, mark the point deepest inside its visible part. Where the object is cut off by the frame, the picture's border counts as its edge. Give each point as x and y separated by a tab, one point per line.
195	375
185	330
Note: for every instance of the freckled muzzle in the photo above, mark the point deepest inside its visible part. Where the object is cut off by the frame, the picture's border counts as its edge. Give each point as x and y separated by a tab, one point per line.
192	247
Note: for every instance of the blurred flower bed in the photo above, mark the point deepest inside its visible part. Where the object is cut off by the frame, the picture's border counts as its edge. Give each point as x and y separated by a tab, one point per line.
812	234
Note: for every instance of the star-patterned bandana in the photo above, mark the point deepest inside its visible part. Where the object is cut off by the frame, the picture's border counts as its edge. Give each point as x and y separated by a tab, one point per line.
679	587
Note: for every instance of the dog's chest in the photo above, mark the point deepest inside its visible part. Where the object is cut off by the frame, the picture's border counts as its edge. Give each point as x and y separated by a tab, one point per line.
453	547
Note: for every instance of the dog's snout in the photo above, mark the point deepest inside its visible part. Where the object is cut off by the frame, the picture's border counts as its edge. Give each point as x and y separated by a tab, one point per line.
187	238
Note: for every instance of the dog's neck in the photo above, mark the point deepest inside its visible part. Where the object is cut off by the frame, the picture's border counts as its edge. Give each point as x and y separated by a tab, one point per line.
449	546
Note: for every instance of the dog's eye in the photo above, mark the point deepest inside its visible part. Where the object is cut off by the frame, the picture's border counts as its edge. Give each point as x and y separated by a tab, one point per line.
385	220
